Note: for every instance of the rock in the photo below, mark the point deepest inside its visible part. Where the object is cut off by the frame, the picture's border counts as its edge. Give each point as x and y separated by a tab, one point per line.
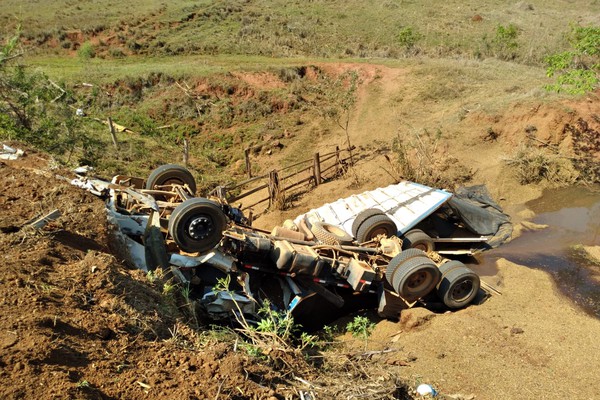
516	331
593	253
414	317
532	226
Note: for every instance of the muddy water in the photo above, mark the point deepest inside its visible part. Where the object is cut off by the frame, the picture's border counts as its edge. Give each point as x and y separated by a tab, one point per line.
573	219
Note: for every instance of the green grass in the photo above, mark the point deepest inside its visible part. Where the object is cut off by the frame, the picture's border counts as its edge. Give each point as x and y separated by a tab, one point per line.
283	28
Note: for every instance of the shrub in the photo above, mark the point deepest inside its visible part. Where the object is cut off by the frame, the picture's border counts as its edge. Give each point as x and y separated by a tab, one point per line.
408	38
86	51
577	71
505	41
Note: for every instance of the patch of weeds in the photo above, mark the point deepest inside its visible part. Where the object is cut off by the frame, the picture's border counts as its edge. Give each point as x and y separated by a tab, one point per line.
86	51
422	159
274	336
533	165
577	71
503	44
83	384
151	276
408	37
168	289
586	144
360	327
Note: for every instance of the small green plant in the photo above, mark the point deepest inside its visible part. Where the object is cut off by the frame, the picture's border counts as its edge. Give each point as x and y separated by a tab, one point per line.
361	327
408	38
83	384
86	51
577	71
169	289
505	41
151	276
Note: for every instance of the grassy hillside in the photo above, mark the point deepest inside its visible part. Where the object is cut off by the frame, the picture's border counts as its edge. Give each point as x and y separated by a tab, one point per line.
280	28
227	75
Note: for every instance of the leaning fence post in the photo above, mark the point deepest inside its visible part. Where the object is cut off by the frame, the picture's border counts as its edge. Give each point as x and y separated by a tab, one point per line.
274	192
113	135
317	169
248	166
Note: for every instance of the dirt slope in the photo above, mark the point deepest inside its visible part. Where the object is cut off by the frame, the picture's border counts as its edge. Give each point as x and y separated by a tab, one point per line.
76	323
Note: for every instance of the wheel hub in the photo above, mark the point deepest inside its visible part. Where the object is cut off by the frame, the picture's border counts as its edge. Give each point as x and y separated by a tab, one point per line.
417	279
200	228
462	290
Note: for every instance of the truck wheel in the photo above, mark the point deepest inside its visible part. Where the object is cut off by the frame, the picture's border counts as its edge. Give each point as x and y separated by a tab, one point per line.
459	285
414	277
376	225
417	239
171	174
399	259
329	233
197	225
362	217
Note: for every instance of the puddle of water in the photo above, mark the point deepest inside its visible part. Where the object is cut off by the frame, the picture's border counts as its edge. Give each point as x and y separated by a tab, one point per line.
573	218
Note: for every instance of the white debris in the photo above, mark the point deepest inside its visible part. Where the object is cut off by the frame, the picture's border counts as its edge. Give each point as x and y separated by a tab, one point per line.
9	153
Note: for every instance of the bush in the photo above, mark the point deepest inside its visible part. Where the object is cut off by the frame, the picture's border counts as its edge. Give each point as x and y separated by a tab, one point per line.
86	51
577	71
505	42
408	38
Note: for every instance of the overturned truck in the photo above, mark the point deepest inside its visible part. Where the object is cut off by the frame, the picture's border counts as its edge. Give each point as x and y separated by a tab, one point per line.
374	250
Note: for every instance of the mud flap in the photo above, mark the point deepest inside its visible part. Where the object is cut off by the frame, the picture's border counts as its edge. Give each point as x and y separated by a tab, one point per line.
154	244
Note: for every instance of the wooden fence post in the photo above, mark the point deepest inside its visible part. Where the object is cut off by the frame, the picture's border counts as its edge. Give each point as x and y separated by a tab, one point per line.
112	133
248	166
317	169
186	152
274	189
337	160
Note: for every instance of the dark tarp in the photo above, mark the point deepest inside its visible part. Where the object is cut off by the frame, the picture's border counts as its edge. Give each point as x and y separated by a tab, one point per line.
480	214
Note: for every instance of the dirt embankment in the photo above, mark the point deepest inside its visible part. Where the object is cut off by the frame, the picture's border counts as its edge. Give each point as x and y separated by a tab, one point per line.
76	323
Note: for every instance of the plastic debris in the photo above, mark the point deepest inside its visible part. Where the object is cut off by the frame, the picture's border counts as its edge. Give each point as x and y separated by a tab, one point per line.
424	390
8	153
83	170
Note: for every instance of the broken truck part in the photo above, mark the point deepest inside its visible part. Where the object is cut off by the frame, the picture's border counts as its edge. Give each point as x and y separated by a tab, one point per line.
465	222
316	277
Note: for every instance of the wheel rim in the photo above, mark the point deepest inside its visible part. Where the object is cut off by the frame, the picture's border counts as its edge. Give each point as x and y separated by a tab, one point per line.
421	246
462	290
200	227
378	231
173	181
418	281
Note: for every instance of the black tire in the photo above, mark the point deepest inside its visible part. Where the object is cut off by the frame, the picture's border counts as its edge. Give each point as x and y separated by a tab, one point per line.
459	285
197	225
171	174
413	278
329	233
399	259
362	217
417	239
376	225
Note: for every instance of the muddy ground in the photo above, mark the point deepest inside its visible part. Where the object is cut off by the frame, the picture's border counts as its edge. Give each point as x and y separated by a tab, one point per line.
77	323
